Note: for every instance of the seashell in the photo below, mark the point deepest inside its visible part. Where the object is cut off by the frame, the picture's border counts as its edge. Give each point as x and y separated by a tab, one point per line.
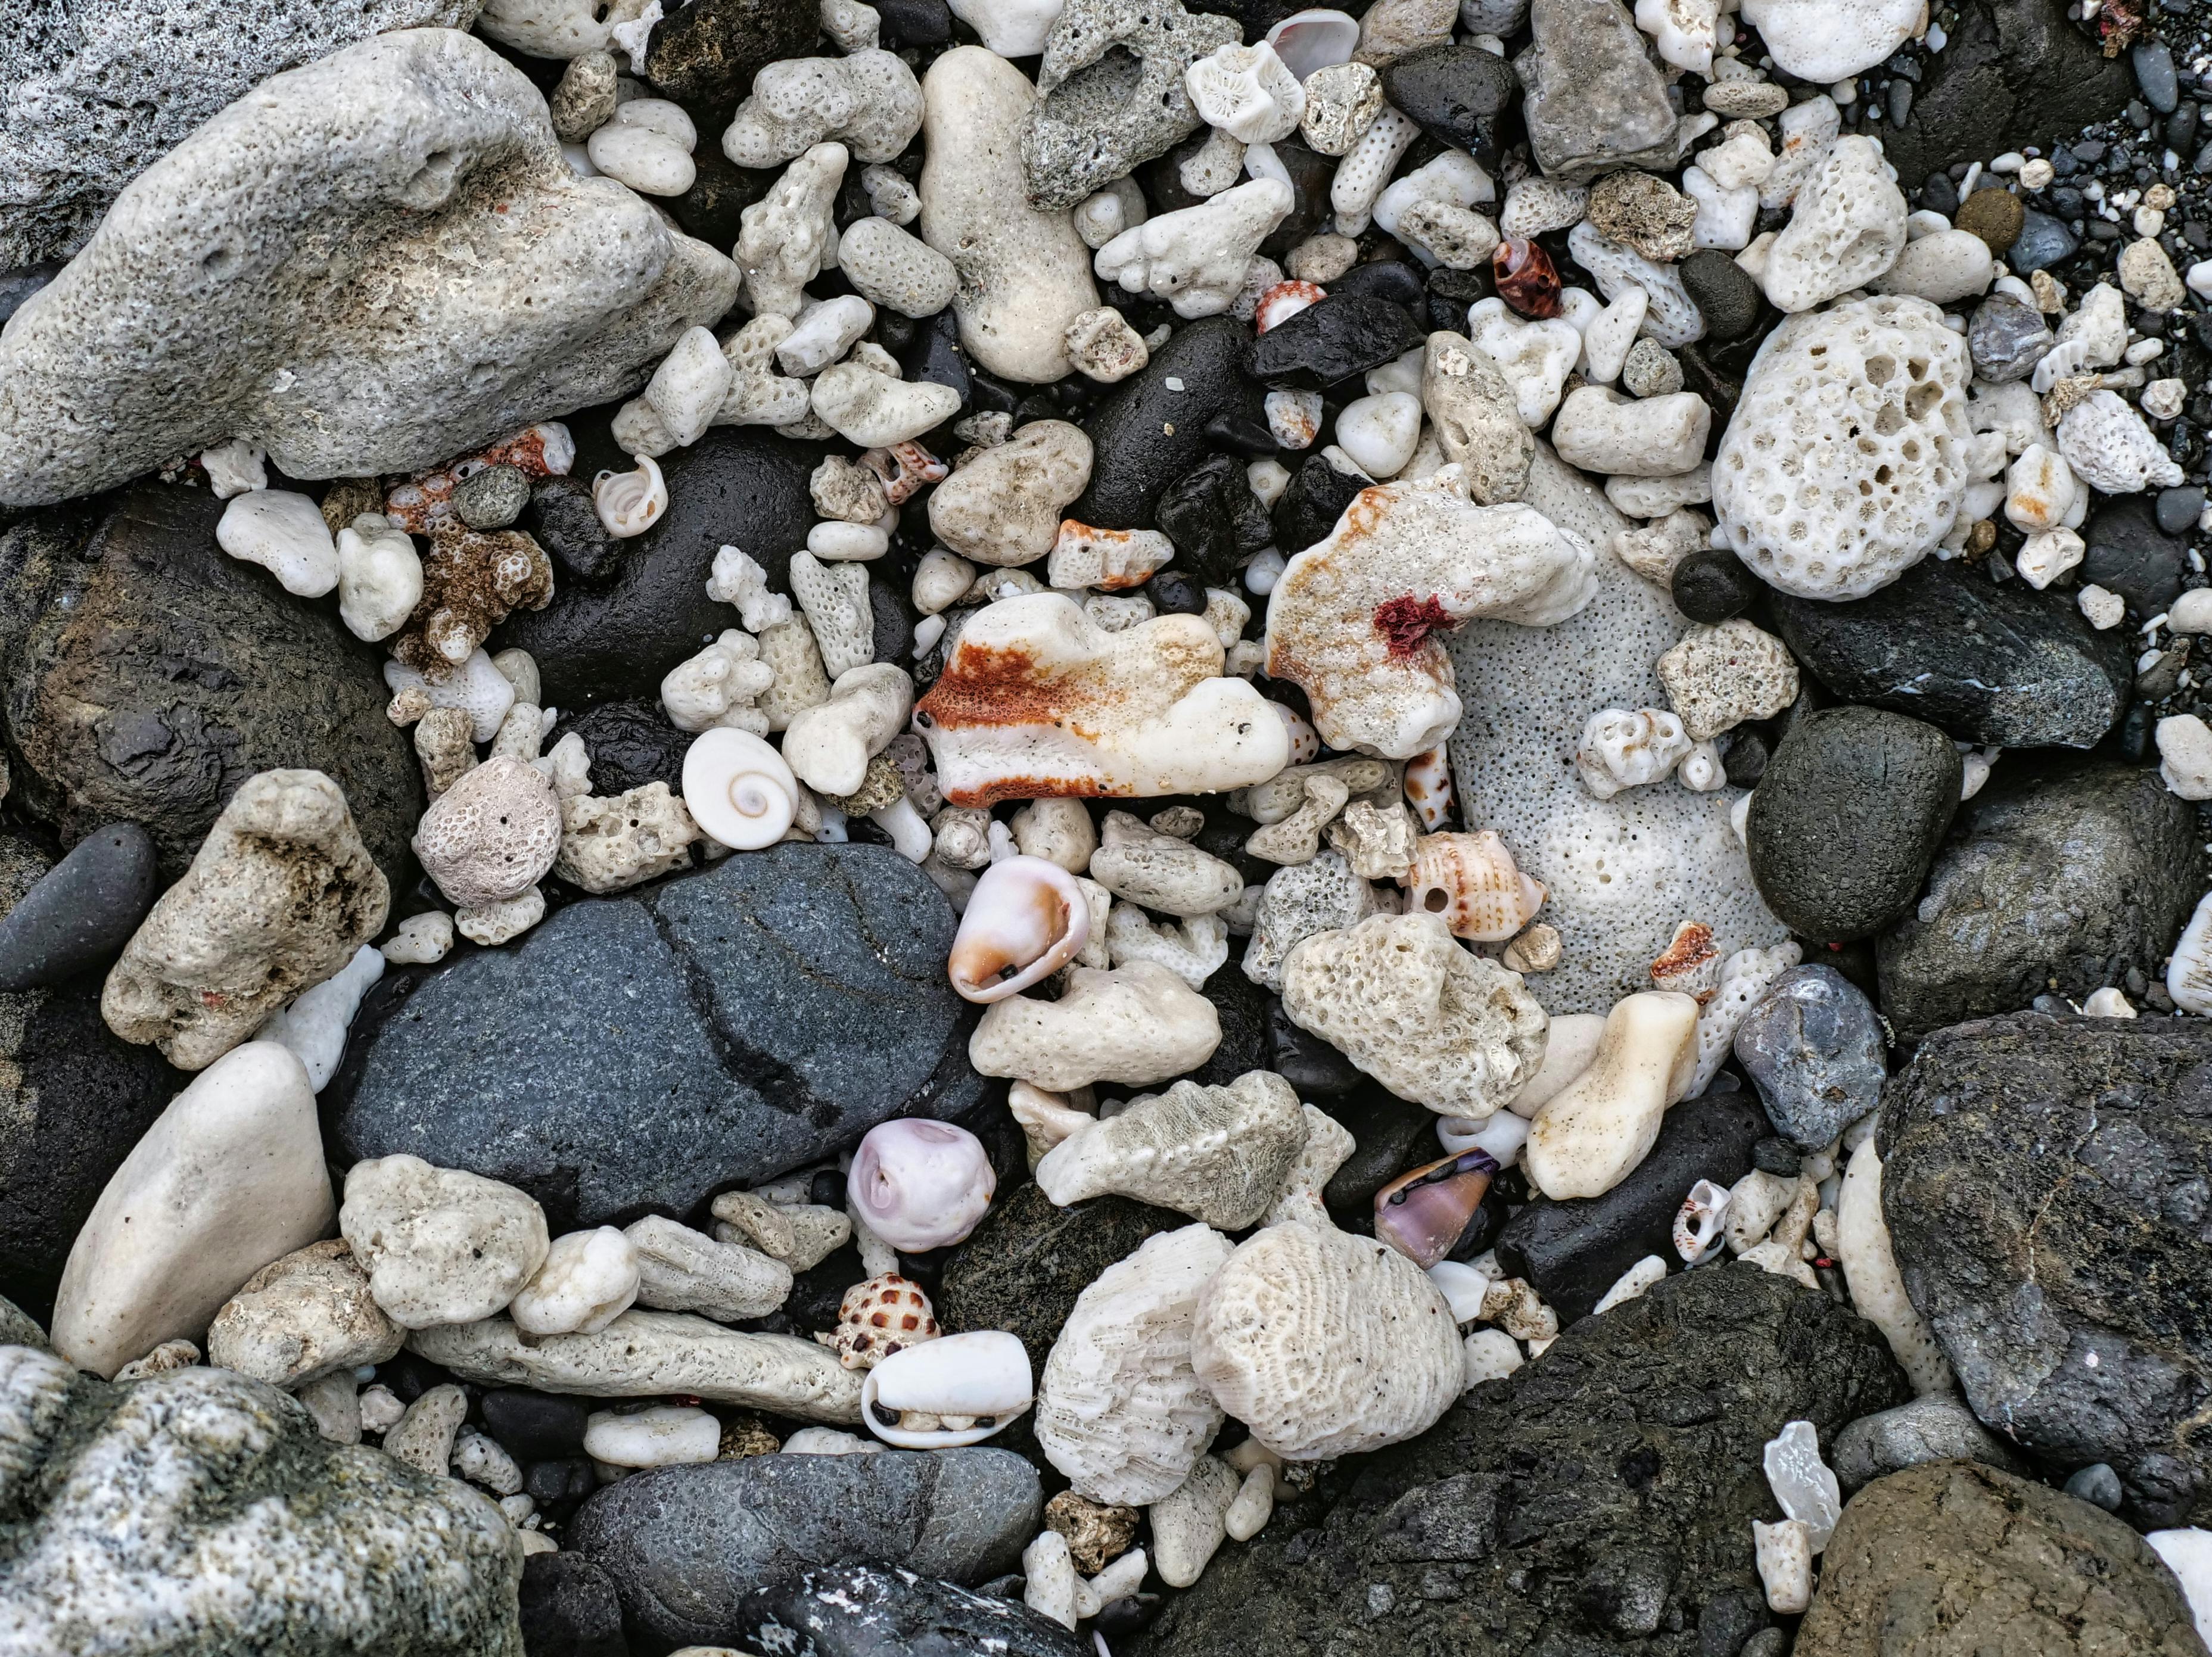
738	789
1119	1410
1689	965
1314	39
1424	1213
544	450
631	503
1471	880
1026	920
1305	744
880	1318
1285	300
1502	1134
955	1390
905	469
1217	1154
1325	1343
1429	788
919	1183
1701	1228
1463	1287
1527	279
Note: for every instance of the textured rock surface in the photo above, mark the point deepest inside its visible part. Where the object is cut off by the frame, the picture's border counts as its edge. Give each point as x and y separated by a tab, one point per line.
89	96
147	676
1599	1495
1621	873
706	51
433	162
244	1531
2065	878
643	1050
2045	1183
864	1610
686	1545
1934	1429
1955	1559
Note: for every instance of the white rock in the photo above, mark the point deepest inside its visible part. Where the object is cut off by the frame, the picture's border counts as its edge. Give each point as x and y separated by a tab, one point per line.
1942	268
1802	1483
1380	432
420	940
1826	40
686	391
1784	1555
824	335
1246	92
2104	610
1681	31
2188	1554
589	1278
1606	341
379	577
1196	258
2109	447
1726	217
875	410
1877	1289
1490	1355
1535	357
440	1246
1012	28
665	1436
896	271
2040	494
424	1438
1591	1135
1050	1585
2184	751
234	467
1646	1274
1674	319
789	236
1601	431
228	1178
868	99
315	1026
1190	1523
479	690
284	533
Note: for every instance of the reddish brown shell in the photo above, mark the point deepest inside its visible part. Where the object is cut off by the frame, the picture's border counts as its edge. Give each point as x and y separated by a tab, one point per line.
879	1317
1285	300
1527	279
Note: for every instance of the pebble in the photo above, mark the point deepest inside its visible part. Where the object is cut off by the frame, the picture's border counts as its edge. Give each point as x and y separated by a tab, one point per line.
82	911
1812	1046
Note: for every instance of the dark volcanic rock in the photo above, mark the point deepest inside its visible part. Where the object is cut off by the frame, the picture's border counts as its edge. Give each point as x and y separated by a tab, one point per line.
686	1545
1862	799
1812	1048
74	1099
1956	1560
569	1609
2066	878
1600	1499
1573	1250
2129	554
864	1610
1213	518
1311	502
738	486
1022	1268
1988	664
631	743
645	1050
1462	96
2048	1187
1390	1135
82	911
1934	1429
1724	292
148	675
1332	340
2013	72
706	51
1147	434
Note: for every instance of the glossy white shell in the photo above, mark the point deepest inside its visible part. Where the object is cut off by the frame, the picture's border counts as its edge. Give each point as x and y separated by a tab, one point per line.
919	1183
1026	919
985	1373
738	789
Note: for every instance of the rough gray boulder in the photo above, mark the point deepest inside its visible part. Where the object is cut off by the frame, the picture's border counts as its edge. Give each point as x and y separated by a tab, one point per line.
1955	1559
686	1545
198	1514
379	260
1598	1499
2048	1185
92	92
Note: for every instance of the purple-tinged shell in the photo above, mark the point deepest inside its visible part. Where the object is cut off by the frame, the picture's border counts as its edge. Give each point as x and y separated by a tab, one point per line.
919	1183
1422	1213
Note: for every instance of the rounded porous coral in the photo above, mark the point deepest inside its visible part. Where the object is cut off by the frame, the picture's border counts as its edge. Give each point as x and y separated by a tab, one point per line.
1219	1154
1844	463
1325	1343
492	835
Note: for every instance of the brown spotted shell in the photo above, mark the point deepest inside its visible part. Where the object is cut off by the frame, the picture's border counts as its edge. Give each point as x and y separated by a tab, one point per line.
879	1317
1472	882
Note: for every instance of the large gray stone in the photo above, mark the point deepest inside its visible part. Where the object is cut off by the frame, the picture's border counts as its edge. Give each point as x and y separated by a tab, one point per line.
368	265
199	1514
1933	1428
685	1546
2048	1188
642	1052
94	91
2066	878
1596	101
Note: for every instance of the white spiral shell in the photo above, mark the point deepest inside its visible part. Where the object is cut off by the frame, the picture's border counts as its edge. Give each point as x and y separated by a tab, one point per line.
738	789
631	503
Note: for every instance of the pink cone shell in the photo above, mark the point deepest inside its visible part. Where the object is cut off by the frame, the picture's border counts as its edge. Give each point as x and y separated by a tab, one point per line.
1472	882
920	1184
1026	919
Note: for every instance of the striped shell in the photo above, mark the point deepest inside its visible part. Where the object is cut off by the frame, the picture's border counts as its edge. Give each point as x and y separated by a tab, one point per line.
1471	880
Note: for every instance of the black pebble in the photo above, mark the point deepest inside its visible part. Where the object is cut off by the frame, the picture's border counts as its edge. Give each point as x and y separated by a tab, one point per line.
1214	520
535	1426
1725	295
1311	502
1744	756
1344	335
566	524
1776	1156
560	1481
569	1608
1464	97
1386	279
631	744
913	23
1712	585
82	911
2130	555
1173	593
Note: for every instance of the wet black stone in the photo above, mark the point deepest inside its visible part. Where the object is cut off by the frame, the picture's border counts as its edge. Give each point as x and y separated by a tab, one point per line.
1309	1064
1711	587
562	517
569	1609
560	1481
1812	1046
712	208
706	51
1452	292
1859	800
1214	520
1244	1008
913	23
1242	433
1986	664
1483	1226
1938	195
1464	97
1776	1156
866	1611
532	1426
934	355
1392	279
1344	335
1723	291
818	1291
1573	1250
894	621
82	911
2129	554
2098	1485
631	743
1311	502
619	638
2176	510
1744	756
1145	434
1393	1135
17	286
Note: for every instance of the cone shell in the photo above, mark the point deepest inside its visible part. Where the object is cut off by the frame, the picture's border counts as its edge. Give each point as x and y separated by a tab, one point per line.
1470	882
1024	921
1424	1210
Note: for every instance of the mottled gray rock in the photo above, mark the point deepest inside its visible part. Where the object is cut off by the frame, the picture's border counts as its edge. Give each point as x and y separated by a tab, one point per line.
1596	101
1598	1499
1956	1559
245	1532
642	1051
2007	339
1812	1048
2068	878
1927	1429
2048	1184
685	1546
90	93
864	1610
433	164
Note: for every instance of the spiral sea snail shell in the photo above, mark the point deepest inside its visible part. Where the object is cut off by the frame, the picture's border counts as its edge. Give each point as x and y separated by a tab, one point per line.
631	503
1026	921
738	789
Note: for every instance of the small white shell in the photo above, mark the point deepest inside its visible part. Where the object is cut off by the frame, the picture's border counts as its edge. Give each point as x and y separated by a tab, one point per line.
1429	788
1312	39
920	1184
631	503
978	1378
1026	919
738	789
1700	1227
